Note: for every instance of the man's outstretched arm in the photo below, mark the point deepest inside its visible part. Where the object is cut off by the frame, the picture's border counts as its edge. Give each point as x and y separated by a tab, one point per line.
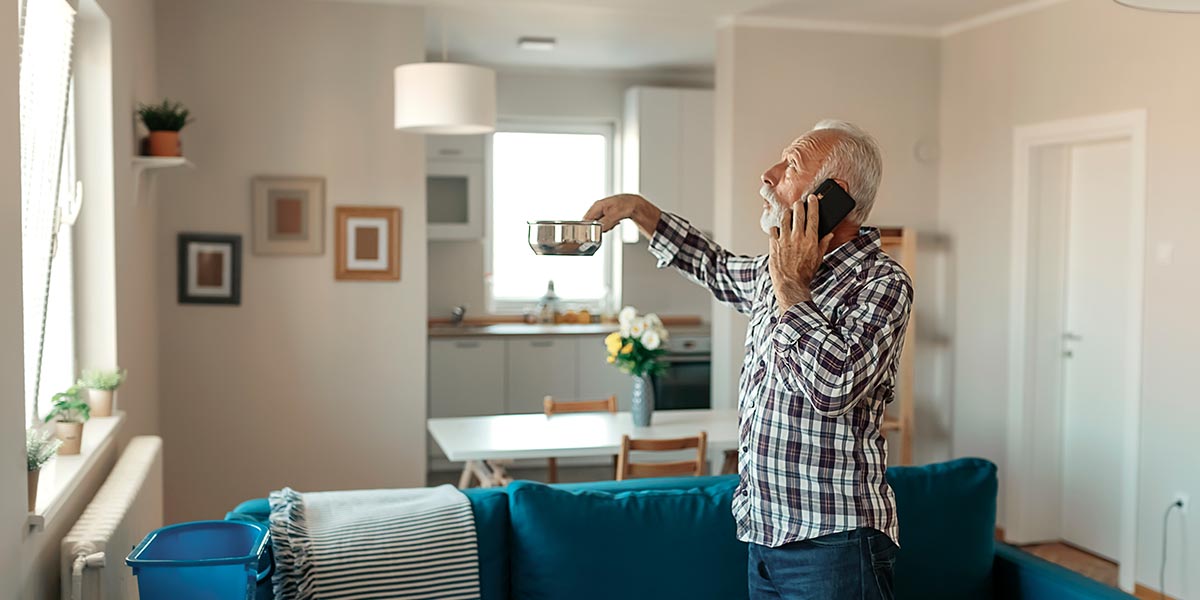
732	279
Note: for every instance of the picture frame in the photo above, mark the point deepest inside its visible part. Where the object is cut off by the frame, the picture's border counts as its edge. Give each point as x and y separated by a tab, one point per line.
288	215
367	240
209	268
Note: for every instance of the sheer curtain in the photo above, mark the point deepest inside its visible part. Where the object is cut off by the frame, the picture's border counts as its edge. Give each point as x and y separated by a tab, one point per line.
48	198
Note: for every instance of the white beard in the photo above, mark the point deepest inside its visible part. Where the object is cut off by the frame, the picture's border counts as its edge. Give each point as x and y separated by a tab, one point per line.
772	216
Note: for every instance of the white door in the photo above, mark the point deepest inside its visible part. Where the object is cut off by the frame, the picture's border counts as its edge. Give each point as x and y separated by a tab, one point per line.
1094	370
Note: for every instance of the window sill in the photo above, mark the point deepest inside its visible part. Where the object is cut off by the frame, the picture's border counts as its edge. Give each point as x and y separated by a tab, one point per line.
63	474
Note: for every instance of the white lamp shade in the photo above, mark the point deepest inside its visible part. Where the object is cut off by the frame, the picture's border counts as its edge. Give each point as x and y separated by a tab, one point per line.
445	98
1181	6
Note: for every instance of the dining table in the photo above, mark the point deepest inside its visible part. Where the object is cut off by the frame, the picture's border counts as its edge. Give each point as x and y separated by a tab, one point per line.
486	445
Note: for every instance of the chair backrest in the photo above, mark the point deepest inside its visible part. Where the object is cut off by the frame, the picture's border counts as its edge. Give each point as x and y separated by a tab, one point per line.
558	407
631	470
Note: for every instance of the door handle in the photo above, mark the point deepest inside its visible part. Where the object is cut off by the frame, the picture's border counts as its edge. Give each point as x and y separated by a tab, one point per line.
466	344
1072	337
542	344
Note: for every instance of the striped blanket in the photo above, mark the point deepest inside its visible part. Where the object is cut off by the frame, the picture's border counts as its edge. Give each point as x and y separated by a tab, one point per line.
415	543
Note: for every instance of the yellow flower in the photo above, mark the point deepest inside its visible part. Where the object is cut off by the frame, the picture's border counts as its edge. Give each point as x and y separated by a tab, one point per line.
613	342
612	359
627	348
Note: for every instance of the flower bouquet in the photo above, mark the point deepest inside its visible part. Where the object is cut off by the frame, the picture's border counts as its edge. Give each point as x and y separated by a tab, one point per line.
636	349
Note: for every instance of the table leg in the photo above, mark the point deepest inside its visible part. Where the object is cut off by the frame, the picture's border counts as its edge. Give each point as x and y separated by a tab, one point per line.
464	480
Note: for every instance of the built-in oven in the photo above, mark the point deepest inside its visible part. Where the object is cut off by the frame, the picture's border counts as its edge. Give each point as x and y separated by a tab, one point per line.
686	382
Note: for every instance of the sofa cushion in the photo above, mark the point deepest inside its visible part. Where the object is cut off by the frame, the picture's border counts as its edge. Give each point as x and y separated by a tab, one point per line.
598	543
947	529
490	506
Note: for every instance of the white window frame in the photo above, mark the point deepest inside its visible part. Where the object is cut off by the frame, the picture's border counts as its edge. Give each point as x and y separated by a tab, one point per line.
611	246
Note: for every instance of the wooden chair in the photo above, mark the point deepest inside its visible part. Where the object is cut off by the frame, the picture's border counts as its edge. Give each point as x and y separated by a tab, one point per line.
631	470
558	407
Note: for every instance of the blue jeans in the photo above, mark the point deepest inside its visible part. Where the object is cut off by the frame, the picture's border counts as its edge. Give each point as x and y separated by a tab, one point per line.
851	565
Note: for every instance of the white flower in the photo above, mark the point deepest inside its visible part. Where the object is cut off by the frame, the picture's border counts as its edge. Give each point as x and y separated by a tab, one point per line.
654	320
624	330
626	316
638	326
651	340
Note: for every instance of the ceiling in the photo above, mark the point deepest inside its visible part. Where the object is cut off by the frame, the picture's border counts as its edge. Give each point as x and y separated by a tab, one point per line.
657	34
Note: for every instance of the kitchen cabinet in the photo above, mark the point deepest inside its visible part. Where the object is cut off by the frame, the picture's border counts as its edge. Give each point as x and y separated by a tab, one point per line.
454	186
597	378
668	151
455	147
454	199
538	367
465	376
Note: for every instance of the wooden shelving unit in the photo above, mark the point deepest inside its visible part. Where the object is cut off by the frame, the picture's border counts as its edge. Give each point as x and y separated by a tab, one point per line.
901	244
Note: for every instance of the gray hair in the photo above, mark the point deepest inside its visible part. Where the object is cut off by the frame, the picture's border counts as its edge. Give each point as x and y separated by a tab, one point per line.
854	158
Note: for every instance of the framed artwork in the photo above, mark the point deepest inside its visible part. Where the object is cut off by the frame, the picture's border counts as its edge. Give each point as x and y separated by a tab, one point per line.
289	215
368	243
210	268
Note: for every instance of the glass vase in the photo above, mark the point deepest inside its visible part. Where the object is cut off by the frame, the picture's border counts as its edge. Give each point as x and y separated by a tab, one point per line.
643	400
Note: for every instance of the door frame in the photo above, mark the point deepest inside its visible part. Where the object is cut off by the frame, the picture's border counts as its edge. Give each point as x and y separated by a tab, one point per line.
1027	472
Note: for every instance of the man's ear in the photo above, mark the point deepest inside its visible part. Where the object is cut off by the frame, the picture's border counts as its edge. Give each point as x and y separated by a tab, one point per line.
842	184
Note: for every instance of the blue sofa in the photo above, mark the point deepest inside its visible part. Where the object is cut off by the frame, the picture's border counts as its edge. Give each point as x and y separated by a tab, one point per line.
674	538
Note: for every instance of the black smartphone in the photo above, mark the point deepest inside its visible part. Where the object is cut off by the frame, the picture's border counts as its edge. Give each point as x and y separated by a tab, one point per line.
835	205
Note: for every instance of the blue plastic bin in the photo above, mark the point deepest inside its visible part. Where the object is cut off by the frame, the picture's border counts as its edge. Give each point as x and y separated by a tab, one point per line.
204	560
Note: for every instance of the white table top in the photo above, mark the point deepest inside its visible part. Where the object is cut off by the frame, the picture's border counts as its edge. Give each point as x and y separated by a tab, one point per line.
581	434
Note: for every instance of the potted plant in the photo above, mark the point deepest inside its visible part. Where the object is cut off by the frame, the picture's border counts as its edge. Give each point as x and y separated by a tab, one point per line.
39	449
164	120
636	349
101	385
69	414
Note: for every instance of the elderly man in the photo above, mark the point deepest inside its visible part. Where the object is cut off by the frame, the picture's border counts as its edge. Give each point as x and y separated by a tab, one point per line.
827	320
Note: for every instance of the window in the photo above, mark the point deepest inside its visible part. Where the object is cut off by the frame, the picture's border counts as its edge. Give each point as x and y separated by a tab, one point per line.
545	173
49	200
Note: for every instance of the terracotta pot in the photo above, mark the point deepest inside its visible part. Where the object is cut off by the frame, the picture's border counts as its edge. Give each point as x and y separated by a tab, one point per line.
71	435
33	481
165	143
101	402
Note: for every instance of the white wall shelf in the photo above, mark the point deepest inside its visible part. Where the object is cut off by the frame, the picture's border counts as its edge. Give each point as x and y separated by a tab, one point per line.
144	164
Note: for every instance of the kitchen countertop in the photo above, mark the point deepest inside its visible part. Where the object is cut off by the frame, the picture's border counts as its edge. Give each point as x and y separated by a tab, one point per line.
514	329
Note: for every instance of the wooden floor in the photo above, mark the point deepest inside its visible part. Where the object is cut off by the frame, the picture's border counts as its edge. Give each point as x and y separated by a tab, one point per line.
1087	564
1080	561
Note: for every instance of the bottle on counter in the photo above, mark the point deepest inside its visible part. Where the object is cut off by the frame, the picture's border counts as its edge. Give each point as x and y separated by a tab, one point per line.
548	305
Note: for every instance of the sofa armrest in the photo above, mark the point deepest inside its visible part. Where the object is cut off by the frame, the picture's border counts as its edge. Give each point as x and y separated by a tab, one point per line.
1023	576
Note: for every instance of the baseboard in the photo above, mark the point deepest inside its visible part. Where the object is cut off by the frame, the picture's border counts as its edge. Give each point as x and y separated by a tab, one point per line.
1145	593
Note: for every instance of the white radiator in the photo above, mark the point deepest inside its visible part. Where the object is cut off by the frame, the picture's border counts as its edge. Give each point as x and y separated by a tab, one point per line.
126	508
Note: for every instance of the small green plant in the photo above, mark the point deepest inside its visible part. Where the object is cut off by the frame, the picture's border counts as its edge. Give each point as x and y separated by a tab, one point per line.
40	447
69	407
165	116
99	379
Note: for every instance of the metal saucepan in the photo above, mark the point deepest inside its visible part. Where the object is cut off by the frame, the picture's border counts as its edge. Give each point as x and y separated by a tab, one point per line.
564	238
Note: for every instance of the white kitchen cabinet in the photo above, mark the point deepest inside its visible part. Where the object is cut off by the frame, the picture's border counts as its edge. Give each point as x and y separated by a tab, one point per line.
454	199
455	147
466	377
537	367
597	378
668	150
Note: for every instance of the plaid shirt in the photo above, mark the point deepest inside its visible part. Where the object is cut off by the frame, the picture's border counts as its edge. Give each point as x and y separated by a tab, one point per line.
814	384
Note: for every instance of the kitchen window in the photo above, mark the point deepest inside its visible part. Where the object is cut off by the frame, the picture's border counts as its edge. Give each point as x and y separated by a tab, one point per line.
548	172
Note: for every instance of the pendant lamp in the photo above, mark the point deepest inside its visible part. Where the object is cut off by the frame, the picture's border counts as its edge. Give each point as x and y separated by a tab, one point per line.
445	98
1180	6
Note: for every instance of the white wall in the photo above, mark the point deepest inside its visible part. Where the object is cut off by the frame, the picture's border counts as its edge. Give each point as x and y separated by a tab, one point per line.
456	268
1076	59
775	84
310	383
